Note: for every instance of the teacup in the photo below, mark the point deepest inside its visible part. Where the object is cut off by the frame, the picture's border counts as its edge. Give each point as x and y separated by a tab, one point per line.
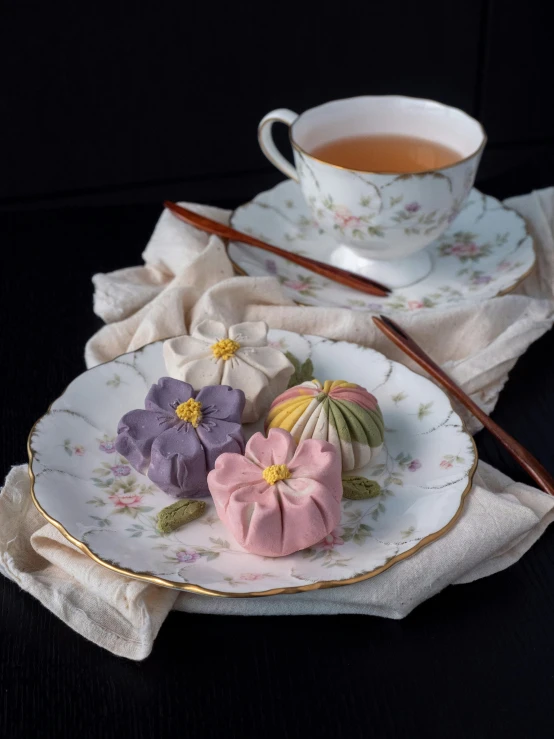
381	221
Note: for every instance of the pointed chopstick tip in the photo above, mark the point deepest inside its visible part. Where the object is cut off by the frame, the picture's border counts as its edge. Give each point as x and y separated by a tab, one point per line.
391	325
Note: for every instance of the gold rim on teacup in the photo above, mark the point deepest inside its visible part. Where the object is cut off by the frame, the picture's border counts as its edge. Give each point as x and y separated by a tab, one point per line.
368	171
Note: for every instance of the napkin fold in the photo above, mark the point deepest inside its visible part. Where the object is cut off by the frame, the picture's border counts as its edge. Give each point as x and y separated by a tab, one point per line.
500	521
187	277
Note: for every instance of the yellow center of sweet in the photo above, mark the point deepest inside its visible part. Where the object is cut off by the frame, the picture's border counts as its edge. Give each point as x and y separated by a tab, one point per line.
275	473
190	411
225	349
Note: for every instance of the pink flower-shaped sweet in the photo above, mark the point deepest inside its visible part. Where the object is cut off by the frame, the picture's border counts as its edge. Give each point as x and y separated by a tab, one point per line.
279	497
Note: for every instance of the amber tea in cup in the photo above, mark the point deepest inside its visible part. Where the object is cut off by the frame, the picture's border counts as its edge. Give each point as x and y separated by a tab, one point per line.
386	153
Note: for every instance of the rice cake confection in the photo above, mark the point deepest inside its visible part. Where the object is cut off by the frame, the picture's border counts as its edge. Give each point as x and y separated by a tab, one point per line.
340	412
279	497
238	356
177	438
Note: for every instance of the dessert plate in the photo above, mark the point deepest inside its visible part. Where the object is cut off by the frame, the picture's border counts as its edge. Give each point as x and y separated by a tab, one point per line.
89	492
485	252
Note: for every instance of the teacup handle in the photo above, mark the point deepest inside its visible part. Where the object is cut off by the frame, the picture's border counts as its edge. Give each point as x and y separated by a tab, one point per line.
280	115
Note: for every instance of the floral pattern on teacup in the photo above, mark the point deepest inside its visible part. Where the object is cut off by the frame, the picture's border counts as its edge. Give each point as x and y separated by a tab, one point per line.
341	218
360	207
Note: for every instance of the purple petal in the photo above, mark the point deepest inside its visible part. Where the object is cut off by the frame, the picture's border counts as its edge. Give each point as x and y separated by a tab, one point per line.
221	402
218	437
177	464
136	433
167	394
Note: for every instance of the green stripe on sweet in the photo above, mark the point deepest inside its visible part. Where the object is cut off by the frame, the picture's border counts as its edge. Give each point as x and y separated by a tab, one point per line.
353	423
356	419
337	420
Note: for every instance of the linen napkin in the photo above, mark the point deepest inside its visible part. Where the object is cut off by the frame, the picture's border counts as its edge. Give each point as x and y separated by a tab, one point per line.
186	277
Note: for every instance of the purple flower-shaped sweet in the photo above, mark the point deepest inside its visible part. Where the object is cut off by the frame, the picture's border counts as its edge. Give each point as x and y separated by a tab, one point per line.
180	434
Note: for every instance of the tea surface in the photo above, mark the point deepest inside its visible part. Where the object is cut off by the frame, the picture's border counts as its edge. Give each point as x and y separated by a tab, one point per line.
385	153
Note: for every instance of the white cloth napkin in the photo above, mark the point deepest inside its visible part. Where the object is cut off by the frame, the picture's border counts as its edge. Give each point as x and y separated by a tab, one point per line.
187	277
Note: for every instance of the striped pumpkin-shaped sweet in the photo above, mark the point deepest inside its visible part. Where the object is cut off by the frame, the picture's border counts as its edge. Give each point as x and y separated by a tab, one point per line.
341	412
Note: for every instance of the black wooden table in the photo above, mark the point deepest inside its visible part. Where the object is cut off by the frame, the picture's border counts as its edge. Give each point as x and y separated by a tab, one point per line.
475	661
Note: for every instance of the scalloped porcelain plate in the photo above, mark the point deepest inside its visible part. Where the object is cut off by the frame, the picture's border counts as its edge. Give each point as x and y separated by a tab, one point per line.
83	486
485	252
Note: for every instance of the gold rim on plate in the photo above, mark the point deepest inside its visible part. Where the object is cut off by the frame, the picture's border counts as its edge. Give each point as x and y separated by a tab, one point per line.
198	589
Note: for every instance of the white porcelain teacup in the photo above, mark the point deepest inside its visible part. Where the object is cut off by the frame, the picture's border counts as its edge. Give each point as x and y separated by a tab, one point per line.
381	221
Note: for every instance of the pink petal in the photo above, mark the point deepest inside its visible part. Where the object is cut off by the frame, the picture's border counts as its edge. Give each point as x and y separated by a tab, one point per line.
319	461
293	522
278	448
233	471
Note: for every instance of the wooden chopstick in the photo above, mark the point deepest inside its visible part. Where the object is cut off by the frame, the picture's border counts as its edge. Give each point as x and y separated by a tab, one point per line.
404	342
342	276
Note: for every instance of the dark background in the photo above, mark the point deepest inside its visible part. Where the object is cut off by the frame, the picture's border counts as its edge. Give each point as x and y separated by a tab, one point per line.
132	100
105	110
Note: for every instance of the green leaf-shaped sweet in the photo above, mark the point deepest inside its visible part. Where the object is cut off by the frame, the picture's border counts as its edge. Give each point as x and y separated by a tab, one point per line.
179	513
359	488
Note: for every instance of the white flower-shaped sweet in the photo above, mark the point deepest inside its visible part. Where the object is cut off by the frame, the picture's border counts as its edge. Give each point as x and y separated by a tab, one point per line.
237	356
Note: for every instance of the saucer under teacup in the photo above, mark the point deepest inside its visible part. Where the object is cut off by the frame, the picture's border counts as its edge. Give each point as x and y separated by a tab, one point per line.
486	251
394	273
